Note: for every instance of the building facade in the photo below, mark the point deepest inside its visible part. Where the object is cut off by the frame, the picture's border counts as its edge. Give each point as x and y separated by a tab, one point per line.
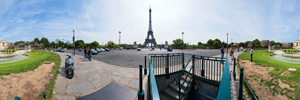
4	44
296	44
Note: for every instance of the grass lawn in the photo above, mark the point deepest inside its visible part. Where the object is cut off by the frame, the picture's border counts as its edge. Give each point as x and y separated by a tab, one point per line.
261	58
36	58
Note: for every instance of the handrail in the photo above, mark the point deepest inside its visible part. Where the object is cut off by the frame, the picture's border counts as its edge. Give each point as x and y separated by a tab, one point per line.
154	90
186	77
184	68
253	95
186	87
224	92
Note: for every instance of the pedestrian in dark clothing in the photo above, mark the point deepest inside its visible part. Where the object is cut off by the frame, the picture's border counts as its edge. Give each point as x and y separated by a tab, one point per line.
85	52
251	53
222	54
90	53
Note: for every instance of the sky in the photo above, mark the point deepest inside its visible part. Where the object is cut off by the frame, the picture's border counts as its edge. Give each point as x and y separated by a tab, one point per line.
101	20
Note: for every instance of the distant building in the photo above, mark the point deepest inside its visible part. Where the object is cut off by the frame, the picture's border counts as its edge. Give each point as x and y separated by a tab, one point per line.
296	44
286	44
4	44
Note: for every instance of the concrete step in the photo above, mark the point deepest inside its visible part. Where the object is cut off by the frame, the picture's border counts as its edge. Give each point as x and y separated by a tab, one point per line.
175	88
171	94
164	97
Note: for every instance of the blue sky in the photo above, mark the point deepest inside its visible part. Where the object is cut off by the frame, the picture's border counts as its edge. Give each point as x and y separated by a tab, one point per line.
101	20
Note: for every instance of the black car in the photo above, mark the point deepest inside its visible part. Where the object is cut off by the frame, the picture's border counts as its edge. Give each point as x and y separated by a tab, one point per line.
106	49
79	49
170	49
138	49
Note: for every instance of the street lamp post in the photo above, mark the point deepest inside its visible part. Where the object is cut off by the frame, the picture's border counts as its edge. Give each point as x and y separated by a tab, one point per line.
227	43
74	40
182	40
119	40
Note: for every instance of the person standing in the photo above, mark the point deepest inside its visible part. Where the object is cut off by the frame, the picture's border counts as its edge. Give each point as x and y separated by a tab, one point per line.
222	53
251	53
232	53
85	52
90	53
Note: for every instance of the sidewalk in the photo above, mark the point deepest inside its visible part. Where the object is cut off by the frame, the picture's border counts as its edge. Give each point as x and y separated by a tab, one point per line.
234	84
91	76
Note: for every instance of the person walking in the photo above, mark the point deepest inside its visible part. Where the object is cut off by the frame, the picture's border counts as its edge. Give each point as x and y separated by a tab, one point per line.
232	53
90	53
222	53
251	53
85	52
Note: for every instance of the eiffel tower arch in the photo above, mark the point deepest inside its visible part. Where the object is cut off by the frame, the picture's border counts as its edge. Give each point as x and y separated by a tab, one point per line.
150	33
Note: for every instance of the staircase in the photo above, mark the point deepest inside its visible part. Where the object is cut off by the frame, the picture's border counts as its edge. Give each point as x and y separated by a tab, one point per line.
172	91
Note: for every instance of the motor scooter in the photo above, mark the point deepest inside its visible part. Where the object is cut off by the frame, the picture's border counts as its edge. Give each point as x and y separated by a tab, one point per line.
69	67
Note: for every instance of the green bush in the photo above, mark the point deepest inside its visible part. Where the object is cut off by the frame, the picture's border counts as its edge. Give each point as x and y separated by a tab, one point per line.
9	50
290	50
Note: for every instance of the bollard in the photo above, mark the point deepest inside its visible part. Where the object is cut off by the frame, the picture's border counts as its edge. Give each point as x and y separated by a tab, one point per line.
234	74
202	69
182	60
167	67
141	91
241	84
145	69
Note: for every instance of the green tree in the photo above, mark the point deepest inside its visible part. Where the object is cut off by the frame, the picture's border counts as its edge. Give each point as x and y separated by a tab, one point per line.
210	43
272	42
217	44
79	44
36	40
178	43
94	44
110	44
45	42
18	42
256	43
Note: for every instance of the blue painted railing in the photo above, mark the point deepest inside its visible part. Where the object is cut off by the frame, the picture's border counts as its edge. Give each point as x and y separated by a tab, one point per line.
153	91
224	89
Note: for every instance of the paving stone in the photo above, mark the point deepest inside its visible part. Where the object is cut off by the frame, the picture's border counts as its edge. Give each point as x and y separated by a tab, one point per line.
117	78
79	80
60	89
72	98
134	83
60	97
76	89
81	71
102	81
125	81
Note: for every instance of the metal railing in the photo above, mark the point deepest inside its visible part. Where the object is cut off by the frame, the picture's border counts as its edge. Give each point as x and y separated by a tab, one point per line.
153	93
180	85
166	63
224	92
209	68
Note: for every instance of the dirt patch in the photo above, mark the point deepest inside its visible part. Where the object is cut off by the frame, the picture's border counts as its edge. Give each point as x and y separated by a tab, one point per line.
27	85
250	69
285	73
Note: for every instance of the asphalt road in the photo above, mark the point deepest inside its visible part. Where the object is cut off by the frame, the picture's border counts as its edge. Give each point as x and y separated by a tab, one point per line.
132	58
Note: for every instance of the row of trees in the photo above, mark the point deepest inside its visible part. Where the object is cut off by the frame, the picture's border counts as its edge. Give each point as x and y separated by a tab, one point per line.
45	43
177	43
216	43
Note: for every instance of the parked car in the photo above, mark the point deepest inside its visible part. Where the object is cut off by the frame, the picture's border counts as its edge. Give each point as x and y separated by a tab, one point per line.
61	50
79	49
170	49
98	49
94	52
138	49
102	50
106	49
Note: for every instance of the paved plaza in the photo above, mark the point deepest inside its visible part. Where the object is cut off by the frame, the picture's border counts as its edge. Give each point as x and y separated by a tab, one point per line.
91	76
132	58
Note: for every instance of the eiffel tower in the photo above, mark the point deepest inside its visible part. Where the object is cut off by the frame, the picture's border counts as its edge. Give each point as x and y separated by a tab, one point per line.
150	33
